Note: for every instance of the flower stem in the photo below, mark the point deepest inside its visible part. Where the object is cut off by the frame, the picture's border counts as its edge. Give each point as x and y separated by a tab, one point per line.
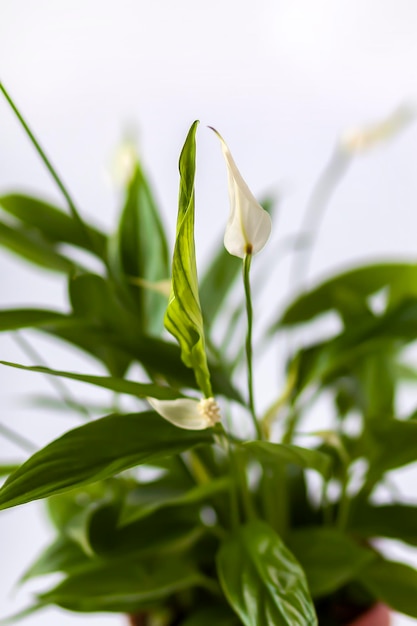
249	313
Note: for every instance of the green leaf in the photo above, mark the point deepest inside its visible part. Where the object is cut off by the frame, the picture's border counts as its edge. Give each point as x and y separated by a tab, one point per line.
53	224
329	558
62	555
183	318
261	579
150	497
94	451
139	250
124	586
118	385
8	468
33	248
160	357
217	282
211	616
150	535
395	584
13	319
389	444
340	292
267	452
396	521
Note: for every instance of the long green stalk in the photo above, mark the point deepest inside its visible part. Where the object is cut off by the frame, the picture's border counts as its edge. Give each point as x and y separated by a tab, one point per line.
51	169
249	356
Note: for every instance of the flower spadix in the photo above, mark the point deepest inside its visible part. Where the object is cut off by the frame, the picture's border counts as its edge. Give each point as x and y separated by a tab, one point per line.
187	413
249	225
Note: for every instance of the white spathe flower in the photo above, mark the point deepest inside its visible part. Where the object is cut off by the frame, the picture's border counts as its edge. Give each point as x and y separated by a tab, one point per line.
361	139
249	225
187	413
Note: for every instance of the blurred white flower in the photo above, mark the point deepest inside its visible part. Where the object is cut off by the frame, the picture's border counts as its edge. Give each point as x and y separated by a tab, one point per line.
187	413
124	162
249	225
362	139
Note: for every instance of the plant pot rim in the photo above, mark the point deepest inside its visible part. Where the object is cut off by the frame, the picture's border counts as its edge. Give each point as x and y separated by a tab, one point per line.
378	615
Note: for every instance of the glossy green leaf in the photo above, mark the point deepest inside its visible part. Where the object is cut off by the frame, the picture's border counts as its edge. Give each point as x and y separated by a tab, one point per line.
183	318
33	248
139	250
124	586
287	453
94	451
52	223
262	580
329	558
393	583
118	385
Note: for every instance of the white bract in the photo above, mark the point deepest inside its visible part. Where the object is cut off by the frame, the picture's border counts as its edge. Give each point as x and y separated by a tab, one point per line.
249	225
361	139
187	413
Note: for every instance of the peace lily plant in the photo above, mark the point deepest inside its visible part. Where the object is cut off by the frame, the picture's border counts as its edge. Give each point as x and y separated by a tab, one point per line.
276	528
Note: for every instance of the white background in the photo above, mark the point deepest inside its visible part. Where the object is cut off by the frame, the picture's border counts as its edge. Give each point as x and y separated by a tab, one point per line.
280	79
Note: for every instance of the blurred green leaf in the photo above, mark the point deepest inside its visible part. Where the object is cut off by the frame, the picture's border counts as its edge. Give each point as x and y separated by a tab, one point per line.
13	319
63	555
329	558
148	498
349	289
33	248
287	453
261	579
395	521
94	451
395	584
53	224
8	468
183	318
124	586
139	250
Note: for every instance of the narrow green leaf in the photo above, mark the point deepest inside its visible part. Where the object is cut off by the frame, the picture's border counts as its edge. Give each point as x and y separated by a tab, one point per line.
329	558
183	317
118	385
53	224
262	580
139	250
287	453
13	319
395	584
94	451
